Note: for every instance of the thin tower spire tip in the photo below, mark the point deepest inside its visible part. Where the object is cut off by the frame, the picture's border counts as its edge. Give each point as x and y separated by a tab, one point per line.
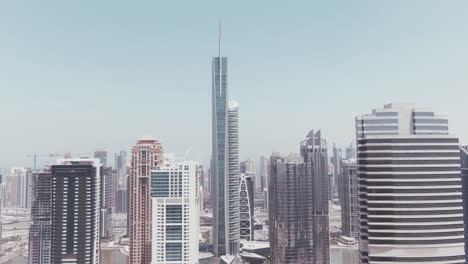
219	39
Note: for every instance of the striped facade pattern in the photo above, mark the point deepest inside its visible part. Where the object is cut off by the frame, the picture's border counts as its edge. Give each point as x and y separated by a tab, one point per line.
410	196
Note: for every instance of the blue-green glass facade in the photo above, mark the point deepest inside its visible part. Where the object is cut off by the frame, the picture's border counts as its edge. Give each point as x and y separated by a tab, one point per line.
219	172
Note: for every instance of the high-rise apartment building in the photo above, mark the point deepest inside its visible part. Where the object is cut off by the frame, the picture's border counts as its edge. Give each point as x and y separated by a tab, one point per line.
147	154
298	211
410	191
176	213
76	200
225	164
40	231
349	200
233	177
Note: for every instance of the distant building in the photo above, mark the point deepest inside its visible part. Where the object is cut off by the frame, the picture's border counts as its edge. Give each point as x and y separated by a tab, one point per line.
350	152
76	200
264	170
147	154
201	189
121	168
101	155
247	167
337	172
298	210
18	188
107	194
121	204
410	190
349	200
40	231
176	213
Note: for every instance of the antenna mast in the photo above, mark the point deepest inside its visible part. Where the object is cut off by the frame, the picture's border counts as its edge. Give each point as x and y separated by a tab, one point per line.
219	40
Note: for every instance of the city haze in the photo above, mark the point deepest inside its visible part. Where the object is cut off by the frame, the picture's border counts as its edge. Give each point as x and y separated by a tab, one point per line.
76	77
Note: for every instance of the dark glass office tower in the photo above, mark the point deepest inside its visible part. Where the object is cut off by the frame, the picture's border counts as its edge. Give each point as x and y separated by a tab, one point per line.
40	232
76	200
298	212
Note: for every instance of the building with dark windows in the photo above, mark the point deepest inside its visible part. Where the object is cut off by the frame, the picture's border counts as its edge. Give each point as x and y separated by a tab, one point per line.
225	164
76	203
298	211
410	189
40	231
176	213
349	200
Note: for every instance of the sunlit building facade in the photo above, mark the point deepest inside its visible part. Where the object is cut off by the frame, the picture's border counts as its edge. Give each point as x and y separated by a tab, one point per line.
176	212
147	154
410	190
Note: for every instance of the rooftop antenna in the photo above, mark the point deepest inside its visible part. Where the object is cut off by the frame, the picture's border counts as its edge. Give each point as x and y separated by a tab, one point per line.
219	40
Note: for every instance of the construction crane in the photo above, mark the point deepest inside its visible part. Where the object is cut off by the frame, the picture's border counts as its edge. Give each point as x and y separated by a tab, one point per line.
35	156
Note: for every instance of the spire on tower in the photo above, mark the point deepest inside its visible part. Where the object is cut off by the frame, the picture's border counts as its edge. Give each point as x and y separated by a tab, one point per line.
219	40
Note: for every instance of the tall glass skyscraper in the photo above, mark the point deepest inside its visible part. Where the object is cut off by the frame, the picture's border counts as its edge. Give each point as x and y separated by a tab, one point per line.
225	164
410	190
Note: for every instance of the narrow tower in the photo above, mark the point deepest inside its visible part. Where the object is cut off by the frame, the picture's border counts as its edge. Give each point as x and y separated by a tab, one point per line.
225	163
147	154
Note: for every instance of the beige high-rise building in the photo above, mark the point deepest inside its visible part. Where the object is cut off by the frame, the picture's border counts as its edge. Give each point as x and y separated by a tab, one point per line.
147	154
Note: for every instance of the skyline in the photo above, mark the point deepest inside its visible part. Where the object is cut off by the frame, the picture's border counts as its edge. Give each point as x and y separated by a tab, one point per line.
110	57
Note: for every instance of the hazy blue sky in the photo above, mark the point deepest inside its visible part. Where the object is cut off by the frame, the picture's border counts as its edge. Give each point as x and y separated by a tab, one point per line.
80	75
